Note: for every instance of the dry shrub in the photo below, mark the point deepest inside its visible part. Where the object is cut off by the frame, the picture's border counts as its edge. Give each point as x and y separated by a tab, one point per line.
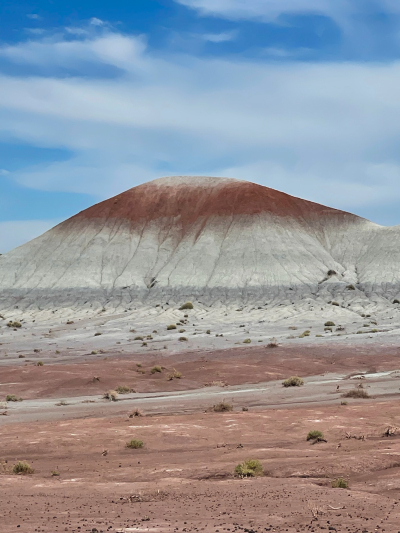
23	468
187	305
293	381
135	413
123	389
340	483
171	326
222	407
111	395
359	392
273	343
155	369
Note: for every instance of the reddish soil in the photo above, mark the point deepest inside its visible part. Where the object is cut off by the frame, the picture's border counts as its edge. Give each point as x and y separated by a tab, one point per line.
233	367
196	201
182	479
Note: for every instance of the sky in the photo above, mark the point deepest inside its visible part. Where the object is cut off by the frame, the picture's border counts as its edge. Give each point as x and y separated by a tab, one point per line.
99	96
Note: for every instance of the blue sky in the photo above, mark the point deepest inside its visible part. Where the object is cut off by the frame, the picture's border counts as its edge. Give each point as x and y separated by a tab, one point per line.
97	97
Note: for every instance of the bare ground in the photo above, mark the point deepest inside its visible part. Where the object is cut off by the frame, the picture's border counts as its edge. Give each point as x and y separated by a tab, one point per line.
182	479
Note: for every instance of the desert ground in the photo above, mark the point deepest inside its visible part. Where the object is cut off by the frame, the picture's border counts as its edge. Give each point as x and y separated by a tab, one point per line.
85	478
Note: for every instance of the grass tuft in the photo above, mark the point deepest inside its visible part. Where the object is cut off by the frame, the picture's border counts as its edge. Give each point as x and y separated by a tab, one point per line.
134	444
249	468
23	468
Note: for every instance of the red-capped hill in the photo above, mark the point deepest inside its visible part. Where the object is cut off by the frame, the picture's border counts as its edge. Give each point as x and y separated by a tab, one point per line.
191	198
210	239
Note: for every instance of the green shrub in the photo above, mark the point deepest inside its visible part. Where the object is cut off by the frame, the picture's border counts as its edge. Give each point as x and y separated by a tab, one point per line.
249	468
208	332
247	341
343	403
134	444
350	288
293	381
22	467
182	331
329	323
93	352
156	369
315	434
171	326
187	305
340	483
183	339
305	334
138	338
222	407
335	303
97	334
39	363
12	398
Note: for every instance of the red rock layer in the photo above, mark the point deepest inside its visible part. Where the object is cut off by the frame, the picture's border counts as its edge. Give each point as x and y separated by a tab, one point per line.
205	197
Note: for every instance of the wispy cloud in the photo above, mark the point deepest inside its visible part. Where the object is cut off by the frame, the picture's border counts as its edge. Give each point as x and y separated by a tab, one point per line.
34	16
322	131
220	37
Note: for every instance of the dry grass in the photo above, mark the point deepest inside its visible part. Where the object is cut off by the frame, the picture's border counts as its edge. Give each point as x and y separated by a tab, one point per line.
155	369
293	381
222	407
340	483
111	395
359	392
23	468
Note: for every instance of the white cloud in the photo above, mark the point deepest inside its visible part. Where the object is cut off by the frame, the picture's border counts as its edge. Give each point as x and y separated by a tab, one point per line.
4	172
268	10
220	37
17	232
96	22
34	16
326	132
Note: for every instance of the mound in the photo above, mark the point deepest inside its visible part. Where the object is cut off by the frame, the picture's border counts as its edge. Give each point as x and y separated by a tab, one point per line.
191	238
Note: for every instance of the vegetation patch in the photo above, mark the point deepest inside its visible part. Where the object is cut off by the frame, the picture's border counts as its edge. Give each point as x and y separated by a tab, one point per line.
247	341
23	468
293	381
315	434
359	392
155	369
171	326
123	389
12	398
329	323
222	407
111	395
249	468
340	483
187	305
14	324
183	339
134	444
175	375
305	333
135	413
